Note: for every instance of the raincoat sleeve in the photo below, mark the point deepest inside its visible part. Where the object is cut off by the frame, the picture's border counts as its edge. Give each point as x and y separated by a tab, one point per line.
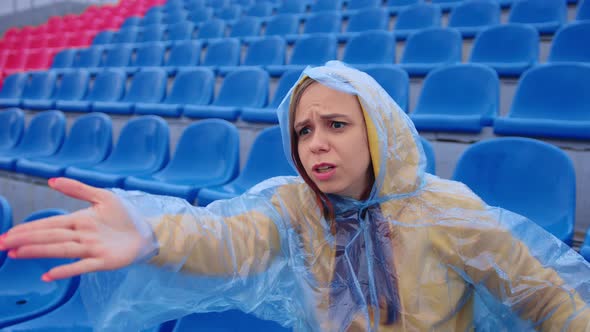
233	254
513	264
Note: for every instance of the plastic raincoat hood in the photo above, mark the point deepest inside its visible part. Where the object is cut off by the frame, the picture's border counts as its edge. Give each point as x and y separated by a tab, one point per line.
420	254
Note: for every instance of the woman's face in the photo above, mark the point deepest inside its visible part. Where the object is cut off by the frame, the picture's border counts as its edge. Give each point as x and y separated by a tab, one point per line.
332	141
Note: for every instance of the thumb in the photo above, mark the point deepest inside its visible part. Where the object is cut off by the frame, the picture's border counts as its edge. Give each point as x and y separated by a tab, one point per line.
77	190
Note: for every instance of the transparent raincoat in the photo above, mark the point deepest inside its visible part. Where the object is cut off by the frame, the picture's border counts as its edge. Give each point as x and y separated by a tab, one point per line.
420	254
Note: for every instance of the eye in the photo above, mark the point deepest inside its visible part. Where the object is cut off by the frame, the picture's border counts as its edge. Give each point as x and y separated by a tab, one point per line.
303	131
337	124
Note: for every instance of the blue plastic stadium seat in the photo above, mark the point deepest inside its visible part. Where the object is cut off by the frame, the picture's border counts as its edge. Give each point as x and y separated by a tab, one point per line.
430	157
108	86
278	25
146	55
12	89
147	86
23	295
266	160
207	154
222	52
314	49
173	17
365	19
186	53
125	35
226	321
585	248
268	51
551	101
395	6
230	13
416	17
292	7
395	81
431	48
88	143
70	85
326	6
103	37
181	31
116	56
200	15
217	3
245	27
43	137
142	148
150	20
370	48
260	9
37	90
151	33
512	173
447	5
12	123
327	23
471	17
132	21
191	86
269	114
241	88
63	59
211	29
566	45
545	15
353	6
519	52
583	11
88	57
458	98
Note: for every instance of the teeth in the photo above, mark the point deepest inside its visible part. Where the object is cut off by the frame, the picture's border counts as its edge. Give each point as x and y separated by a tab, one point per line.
324	168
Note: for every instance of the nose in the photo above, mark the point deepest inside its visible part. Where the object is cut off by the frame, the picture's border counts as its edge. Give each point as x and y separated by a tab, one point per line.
319	142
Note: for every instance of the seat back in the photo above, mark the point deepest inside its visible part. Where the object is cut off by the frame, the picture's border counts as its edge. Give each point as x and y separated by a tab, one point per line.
538	11
72	85
475	14
433	45
147	86
314	50
326	6
193	86
395	81
90	138
429	153
45	133
368	19
13	85
418	16
214	28
526	176
461	89
12	124
149	54
181	31
108	85
245	27
63	59
125	35
211	148
566	46
583	11
184	53
117	56
292	7
362	4
39	85
266	159
520	44
244	88
553	91
261	9
88	57
267	51
287	80
151	33
282	25
103	37
329	22
224	52
370	47
143	145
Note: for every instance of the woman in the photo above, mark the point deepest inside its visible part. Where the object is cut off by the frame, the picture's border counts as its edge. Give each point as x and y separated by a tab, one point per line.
363	240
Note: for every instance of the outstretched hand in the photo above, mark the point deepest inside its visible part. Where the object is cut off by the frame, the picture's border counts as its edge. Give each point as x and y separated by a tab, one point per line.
102	236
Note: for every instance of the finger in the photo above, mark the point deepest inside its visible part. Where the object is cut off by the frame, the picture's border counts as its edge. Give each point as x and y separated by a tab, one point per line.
44	236
73	269
52	250
60	221
77	190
